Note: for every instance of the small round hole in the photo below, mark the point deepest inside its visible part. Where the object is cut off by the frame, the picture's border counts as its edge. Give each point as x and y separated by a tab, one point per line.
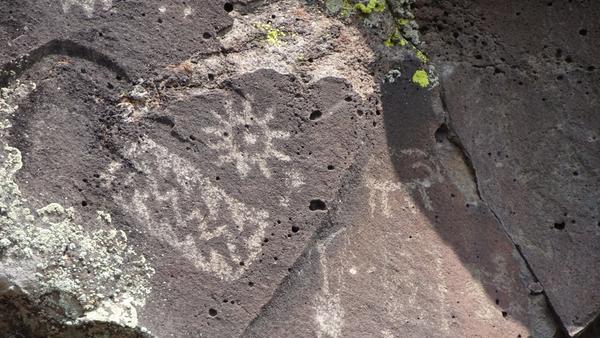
317	205
315	115
228	7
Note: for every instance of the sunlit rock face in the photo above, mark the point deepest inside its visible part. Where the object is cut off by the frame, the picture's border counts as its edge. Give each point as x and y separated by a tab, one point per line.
336	168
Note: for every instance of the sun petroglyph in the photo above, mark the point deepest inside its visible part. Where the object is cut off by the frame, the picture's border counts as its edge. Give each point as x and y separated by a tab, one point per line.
215	233
245	139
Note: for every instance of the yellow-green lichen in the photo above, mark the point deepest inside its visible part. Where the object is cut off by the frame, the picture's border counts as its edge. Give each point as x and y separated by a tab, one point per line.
421	78
395	39
402	22
339	6
346	8
421	56
370	7
402	26
272	35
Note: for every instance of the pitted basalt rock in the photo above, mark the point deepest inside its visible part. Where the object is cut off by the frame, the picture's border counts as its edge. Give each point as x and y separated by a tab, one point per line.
292	168
85	275
161	32
182	173
521	95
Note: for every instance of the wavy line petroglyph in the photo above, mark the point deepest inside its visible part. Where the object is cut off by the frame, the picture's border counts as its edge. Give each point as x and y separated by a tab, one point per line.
219	217
88	6
251	147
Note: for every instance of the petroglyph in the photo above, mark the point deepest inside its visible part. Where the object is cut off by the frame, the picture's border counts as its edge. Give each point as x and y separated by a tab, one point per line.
88	6
426	173
379	195
432	173
245	139
329	313
294	179
216	232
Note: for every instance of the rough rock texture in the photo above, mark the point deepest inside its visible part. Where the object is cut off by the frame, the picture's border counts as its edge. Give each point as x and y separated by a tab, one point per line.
525	109
294	168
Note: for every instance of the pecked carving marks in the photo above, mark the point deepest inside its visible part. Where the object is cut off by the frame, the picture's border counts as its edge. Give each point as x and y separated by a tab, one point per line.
88	6
214	231
254	144
14	69
329	312
426	172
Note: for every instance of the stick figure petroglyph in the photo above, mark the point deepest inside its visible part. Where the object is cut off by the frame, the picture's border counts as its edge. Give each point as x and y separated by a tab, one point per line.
426	173
382	190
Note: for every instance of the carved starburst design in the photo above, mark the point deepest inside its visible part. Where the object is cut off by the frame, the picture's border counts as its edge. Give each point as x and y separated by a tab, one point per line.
246	139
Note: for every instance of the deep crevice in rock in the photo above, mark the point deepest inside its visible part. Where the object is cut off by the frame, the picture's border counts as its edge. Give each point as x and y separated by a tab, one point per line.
446	131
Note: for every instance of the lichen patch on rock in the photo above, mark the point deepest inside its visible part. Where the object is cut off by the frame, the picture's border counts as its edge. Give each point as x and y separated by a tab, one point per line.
96	275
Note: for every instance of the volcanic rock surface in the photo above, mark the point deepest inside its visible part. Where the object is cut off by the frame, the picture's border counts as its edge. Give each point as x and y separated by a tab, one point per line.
299	168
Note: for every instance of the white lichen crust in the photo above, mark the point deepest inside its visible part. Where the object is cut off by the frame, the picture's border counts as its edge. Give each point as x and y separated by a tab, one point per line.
91	274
